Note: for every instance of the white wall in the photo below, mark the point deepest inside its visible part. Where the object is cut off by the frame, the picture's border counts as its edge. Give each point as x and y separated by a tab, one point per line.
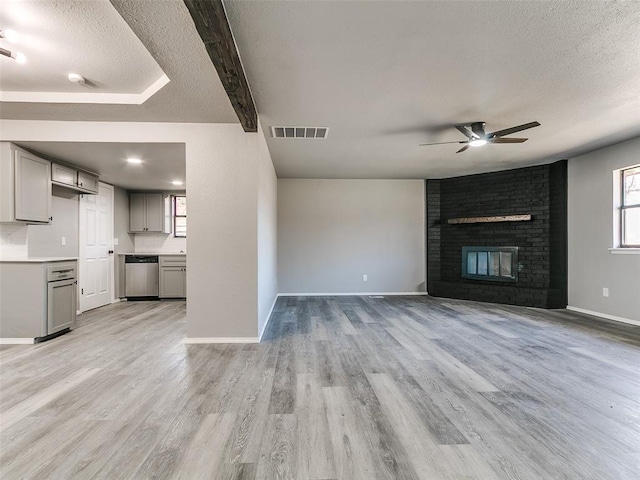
158	243
121	221
222	181
267	234
331	232
13	240
46	240
592	266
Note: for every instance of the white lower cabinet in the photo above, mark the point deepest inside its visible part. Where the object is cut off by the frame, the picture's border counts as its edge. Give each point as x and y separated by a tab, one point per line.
38	299
173	276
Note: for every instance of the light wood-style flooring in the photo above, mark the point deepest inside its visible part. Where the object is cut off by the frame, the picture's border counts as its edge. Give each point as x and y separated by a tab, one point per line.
340	388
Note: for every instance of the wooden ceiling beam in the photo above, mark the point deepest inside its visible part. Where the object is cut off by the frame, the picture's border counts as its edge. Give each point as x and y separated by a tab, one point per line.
211	23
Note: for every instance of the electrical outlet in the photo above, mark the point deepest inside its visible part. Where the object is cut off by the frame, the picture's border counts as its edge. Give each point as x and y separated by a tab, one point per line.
63	241
365	278
605	292
115	241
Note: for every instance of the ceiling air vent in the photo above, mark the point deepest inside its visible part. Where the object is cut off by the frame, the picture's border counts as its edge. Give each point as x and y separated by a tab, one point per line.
300	132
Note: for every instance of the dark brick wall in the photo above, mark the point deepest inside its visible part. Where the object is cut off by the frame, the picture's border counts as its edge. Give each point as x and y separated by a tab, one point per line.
540	191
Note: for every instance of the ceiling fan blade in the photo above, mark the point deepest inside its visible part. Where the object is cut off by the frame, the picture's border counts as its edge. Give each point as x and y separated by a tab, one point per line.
509	131
439	143
462	129
463	148
508	140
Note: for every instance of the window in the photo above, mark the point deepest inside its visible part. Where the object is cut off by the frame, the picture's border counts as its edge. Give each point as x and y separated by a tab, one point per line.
179	216
630	207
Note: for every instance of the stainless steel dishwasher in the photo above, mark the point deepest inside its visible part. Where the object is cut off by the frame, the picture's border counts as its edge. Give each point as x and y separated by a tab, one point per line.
141	276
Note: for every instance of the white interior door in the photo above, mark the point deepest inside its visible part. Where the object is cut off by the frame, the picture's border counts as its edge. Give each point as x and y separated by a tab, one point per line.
96	248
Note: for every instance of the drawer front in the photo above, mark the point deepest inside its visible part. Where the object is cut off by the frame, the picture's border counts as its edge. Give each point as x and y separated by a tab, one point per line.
173	261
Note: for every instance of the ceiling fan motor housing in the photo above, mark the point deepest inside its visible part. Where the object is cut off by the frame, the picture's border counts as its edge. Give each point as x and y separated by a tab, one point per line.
478	129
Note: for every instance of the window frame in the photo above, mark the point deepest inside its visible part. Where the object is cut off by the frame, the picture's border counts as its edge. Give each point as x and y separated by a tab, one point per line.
623	207
176	216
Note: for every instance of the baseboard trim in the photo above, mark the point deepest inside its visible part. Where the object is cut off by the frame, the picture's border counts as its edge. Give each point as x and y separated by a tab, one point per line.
17	341
604	315
350	294
264	328
203	340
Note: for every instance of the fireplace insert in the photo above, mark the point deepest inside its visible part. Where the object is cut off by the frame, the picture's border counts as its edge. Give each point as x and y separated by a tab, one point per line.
490	263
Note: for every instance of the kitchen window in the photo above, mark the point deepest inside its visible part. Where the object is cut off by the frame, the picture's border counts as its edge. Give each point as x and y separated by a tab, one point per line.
630	207
179	216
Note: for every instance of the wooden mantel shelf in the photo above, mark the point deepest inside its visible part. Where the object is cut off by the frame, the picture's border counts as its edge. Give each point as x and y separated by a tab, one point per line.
503	218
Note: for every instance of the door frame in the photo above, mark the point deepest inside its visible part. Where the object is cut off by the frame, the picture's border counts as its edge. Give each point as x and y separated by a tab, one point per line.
81	251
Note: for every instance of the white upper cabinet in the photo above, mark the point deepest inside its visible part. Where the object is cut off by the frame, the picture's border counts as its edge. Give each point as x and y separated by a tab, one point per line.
62	175
146	213
74	179
25	186
88	182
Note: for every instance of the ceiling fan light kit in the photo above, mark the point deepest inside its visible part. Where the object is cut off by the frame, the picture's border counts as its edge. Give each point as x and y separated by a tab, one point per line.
75	78
477	137
477	142
12	37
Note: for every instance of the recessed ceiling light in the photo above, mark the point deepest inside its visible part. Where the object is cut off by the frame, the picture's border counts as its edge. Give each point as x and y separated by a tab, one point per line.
75	78
20	58
478	142
176	182
134	160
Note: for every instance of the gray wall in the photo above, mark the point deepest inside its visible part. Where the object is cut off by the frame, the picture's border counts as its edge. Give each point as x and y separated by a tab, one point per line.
121	221
121	232
331	232
267	234
46	240
591	218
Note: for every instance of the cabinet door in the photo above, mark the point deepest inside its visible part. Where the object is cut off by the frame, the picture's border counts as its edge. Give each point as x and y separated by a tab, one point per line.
155	212
88	182
137	212
32	188
172	284
64	175
61	306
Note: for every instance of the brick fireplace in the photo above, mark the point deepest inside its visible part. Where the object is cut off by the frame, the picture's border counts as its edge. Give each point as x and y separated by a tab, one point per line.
522	211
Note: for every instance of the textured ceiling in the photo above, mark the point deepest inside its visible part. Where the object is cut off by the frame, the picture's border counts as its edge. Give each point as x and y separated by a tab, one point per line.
162	162
387	76
194	94
59	37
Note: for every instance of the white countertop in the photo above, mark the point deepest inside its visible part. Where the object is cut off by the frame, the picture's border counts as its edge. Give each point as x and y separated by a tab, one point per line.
151	253
36	259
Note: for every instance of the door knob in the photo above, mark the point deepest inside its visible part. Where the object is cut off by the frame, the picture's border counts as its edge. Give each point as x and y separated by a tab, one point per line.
110	252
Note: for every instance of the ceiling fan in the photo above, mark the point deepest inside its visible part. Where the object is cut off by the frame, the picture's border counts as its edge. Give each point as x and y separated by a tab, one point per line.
476	136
